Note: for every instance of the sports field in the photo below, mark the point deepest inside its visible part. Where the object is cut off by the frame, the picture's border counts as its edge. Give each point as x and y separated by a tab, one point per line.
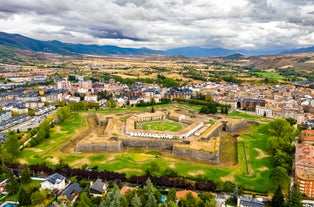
162	126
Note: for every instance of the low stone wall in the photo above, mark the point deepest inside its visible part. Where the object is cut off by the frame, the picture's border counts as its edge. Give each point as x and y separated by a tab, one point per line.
196	154
236	127
212	131
114	146
151	144
215	132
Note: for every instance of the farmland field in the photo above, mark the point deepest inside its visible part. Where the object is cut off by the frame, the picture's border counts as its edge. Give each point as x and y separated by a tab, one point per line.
271	75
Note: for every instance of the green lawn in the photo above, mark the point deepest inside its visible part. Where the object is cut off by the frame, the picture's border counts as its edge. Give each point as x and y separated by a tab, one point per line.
259	160
243	115
162	126
59	135
271	75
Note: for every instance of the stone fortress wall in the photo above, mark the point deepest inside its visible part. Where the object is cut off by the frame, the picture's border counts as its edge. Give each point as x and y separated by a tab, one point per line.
196	154
193	126
113	146
178	147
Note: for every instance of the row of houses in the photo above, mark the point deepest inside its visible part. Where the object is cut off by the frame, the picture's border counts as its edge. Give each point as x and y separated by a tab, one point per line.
68	191
14	121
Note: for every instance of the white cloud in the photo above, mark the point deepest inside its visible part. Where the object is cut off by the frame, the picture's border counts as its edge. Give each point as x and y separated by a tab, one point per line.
236	24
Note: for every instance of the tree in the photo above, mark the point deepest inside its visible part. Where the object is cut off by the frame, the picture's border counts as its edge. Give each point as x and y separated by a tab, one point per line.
5	155
136	201
281	128
24	198
284	160
208	199
279	176
3	170
172	194
12	145
151	202
170	173
25	174
84	200
278	199
64	113
152	110
37	197
189	200
11	186
116	196
111	103
152	101
153	170
209	109
294	197
209	98
210	203
124	202
291	121
228	186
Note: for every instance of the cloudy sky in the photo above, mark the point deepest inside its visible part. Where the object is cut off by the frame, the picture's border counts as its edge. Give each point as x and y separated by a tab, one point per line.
163	24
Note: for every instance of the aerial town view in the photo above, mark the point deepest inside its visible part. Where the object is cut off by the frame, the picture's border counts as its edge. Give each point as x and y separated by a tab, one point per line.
170	103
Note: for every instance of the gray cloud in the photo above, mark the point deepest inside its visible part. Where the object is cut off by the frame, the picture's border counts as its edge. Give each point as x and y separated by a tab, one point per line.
245	24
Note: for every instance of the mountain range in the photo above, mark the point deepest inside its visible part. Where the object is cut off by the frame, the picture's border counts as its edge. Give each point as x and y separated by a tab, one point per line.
54	46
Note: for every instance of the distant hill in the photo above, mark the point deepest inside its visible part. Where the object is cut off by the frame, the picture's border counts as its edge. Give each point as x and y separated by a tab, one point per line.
236	56
200	52
54	46
300	50
25	43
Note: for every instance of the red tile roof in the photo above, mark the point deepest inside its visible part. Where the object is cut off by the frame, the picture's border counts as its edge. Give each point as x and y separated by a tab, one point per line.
183	193
307	135
124	189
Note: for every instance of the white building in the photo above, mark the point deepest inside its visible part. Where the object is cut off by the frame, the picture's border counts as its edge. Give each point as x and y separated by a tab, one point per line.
5	115
54	182
91	98
263	111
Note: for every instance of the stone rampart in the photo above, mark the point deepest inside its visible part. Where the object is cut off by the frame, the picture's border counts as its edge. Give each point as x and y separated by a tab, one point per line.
196	154
236	126
151	144
114	146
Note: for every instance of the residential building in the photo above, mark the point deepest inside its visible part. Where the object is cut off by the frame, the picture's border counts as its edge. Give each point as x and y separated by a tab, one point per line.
304	163
249	202
5	115
91	98
98	188
71	192
54	182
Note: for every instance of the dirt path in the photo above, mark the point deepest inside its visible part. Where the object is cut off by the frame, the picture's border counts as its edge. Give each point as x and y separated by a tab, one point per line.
261	154
79	135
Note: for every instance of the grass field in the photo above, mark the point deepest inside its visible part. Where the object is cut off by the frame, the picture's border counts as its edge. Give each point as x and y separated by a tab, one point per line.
162	126
243	115
271	75
136	161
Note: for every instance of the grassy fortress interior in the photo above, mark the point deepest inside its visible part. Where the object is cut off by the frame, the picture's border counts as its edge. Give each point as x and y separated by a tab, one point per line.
181	131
